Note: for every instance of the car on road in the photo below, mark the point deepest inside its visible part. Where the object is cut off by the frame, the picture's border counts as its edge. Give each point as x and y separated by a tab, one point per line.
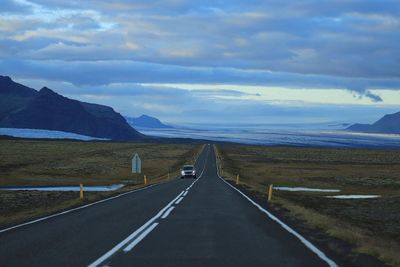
188	171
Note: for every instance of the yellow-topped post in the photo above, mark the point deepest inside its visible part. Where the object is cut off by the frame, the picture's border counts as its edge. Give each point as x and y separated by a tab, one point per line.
81	192
270	192
237	179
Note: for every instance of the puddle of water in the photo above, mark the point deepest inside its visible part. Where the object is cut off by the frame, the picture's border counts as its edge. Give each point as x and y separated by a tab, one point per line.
97	188
354	196
305	189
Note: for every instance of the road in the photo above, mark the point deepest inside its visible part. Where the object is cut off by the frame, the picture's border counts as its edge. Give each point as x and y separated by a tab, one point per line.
203	222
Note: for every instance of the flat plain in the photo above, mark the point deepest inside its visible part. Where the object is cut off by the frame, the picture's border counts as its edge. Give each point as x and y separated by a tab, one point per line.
40	163
370	226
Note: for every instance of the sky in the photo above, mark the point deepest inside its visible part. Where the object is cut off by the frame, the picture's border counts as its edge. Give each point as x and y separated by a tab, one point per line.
211	61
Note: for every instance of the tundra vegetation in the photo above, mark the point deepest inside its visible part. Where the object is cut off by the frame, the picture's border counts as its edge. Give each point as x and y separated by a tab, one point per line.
39	163
371	226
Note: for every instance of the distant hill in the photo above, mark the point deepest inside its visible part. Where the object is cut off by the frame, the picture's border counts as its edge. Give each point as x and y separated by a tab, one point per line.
389	124
147	122
24	107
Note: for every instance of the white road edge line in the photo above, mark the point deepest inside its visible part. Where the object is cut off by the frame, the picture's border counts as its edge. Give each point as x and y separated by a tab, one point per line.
165	215
140	238
179	200
184	194
307	243
133	235
78	208
85	206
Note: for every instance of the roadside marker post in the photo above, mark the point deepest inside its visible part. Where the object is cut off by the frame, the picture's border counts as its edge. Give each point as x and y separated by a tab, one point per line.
81	192
145	179
270	192
237	179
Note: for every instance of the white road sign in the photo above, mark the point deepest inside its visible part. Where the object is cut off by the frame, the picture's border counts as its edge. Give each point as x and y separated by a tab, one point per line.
136	164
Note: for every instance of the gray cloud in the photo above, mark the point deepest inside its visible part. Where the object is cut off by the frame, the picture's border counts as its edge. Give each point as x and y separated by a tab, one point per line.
101	46
373	97
108	72
348	39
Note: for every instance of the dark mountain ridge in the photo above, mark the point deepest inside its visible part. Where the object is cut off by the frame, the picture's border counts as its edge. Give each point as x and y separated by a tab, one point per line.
13	95
389	124
27	108
8	86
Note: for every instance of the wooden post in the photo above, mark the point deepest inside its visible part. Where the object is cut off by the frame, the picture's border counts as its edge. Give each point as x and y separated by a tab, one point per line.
270	192
237	179
81	192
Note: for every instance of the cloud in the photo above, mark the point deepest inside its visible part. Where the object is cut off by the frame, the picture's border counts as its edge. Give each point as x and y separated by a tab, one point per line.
189	106
176	106
106	48
347	39
221	93
360	90
373	97
122	71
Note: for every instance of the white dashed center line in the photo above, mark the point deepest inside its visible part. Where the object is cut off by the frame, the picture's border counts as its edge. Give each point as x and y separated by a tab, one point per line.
140	237
179	200
165	215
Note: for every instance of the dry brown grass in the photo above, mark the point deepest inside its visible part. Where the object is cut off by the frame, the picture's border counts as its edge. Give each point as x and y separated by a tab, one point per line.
32	163
68	162
364	241
371	225
315	167
18	206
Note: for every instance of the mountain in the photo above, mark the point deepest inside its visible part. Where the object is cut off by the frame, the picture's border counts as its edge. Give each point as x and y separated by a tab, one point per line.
13	96
24	107
147	122
389	124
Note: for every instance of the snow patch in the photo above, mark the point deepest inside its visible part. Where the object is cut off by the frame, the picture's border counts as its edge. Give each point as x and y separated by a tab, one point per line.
305	189
354	196
96	188
39	133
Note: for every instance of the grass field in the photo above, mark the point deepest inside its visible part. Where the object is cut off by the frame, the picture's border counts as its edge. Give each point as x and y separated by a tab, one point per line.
32	163
370	225
69	162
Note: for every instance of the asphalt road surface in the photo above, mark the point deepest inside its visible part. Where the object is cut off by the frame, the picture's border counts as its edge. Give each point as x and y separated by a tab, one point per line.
203	222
